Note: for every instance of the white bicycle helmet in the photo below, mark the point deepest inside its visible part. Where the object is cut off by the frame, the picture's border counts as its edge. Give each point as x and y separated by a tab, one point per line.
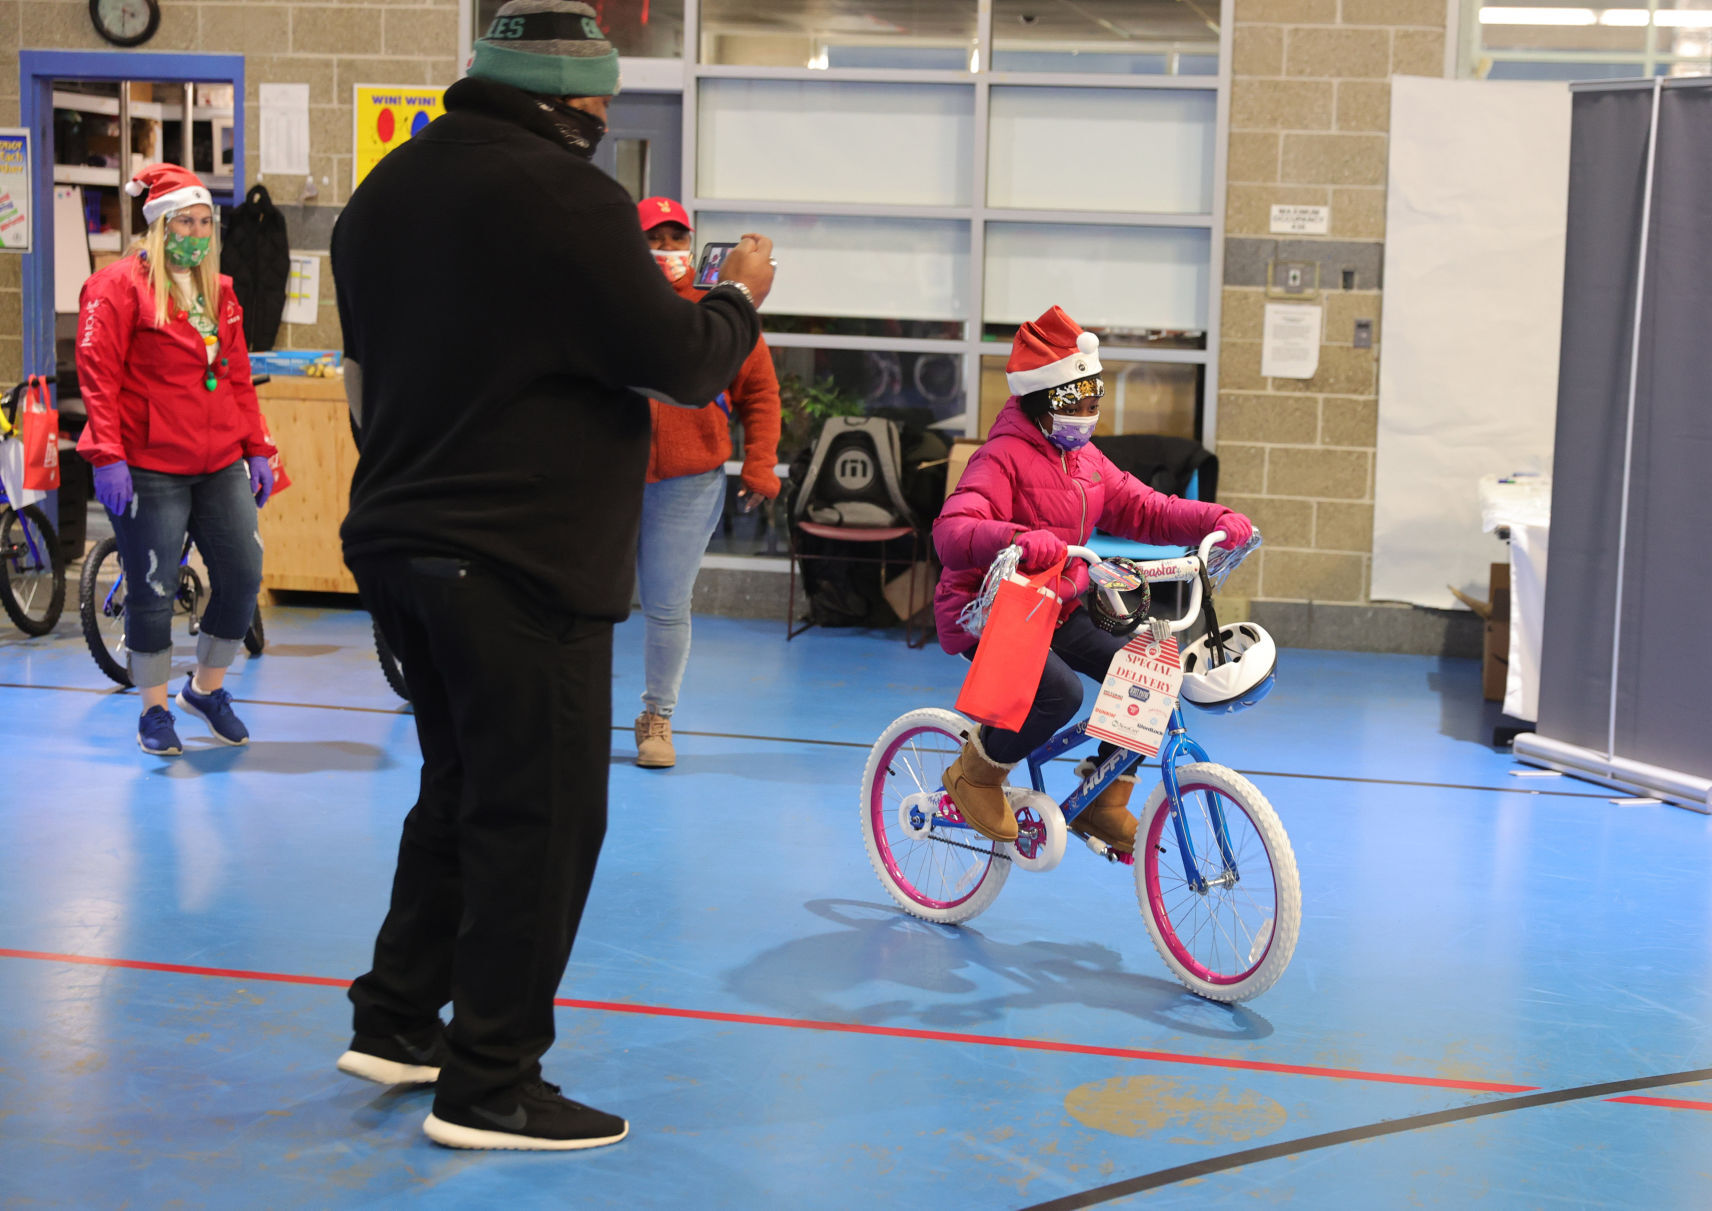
1238	679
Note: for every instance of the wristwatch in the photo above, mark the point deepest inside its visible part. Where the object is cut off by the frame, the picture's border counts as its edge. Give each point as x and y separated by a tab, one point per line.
738	286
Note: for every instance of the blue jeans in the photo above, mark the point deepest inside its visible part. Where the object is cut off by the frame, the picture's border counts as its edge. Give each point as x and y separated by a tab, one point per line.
217	511
678	517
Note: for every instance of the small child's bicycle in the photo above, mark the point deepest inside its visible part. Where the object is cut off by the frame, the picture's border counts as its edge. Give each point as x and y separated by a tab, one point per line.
1213	868
32	567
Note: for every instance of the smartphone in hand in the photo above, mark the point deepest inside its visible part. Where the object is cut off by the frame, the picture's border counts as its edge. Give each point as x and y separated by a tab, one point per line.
712	259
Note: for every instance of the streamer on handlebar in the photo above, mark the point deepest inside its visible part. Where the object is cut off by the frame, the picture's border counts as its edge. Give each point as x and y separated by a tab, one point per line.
974	616
1221	563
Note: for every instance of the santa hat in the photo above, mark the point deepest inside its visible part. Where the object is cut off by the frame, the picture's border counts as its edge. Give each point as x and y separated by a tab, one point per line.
1049	352
170	188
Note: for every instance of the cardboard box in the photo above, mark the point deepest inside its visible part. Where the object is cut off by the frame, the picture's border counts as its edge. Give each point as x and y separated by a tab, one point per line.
904	603
962	450
1495	611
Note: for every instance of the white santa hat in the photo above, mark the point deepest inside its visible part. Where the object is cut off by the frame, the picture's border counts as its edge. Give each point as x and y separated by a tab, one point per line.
1049	352
170	188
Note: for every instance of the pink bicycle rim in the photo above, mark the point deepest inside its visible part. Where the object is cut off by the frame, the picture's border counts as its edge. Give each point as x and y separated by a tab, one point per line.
1156	898
878	816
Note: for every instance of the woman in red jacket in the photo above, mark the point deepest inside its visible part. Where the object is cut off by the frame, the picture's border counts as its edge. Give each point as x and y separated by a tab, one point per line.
177	443
1038	484
685	497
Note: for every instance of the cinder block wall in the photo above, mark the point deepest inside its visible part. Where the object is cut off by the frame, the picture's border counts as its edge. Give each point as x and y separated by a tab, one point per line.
329	46
1310	107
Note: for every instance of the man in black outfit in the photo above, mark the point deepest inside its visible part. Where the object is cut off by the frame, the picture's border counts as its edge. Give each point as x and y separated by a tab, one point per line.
501	314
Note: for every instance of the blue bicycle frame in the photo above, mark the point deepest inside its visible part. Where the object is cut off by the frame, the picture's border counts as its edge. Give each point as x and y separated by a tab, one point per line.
29	534
1179	745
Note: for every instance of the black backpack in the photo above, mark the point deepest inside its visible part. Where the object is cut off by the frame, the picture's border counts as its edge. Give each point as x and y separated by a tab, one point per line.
255	253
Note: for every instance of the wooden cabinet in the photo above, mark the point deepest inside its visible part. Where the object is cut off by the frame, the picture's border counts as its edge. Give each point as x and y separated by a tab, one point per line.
300	527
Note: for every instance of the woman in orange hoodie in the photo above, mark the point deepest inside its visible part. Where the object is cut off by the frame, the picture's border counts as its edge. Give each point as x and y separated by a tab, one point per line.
685	497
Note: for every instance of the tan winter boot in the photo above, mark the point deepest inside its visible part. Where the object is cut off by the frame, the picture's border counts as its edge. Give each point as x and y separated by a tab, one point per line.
976	784
654	742
1108	817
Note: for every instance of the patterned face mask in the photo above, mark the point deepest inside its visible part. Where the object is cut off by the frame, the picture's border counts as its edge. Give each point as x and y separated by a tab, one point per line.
186	251
674	264
1072	432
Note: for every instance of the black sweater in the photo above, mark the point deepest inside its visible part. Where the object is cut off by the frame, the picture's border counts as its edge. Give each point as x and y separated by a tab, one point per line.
496	291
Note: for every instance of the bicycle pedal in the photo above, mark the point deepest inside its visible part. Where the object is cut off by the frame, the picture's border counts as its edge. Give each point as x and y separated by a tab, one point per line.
1100	848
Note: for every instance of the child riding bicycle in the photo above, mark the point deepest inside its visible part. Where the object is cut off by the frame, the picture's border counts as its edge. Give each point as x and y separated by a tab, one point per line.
1037	484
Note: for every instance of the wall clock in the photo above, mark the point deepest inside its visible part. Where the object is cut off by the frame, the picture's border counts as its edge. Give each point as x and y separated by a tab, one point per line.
125	22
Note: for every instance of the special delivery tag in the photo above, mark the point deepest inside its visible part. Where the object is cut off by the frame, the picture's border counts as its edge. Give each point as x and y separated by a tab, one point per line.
1140	692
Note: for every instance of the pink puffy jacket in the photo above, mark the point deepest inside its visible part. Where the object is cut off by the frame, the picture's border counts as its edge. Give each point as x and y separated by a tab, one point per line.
1020	481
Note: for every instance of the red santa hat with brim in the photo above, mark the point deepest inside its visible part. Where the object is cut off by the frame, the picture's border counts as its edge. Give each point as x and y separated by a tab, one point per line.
1049	352
170	188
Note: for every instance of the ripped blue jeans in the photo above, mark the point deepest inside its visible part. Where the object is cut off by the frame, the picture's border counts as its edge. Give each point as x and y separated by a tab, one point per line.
217	511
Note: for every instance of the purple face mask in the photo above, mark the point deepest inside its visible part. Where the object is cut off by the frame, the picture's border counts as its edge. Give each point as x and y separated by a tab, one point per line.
1072	432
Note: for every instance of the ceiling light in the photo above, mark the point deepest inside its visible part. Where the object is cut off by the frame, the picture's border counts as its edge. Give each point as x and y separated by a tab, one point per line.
1624	16
1538	16
1689	18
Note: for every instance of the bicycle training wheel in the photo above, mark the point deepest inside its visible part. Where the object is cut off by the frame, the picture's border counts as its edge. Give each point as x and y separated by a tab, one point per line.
391	667
32	571
255	639
933	871
101	606
1232	940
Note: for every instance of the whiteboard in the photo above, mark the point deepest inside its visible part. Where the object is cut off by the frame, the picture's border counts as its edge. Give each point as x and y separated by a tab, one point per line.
72	265
1475	224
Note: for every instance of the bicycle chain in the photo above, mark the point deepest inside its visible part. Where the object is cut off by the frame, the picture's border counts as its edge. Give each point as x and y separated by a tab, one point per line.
974	849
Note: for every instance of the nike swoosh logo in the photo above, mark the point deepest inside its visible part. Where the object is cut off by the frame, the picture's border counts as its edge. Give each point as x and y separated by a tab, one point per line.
515	1121
422	1055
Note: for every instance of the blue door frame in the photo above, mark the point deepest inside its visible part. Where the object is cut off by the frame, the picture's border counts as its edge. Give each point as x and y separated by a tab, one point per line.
37	70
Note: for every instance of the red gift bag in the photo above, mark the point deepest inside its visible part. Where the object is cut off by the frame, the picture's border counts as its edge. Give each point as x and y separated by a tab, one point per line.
38	426
1005	676
276	462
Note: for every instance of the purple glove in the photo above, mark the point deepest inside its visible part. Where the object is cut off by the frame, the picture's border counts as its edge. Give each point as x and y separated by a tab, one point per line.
261	479
1040	549
113	487
1238	530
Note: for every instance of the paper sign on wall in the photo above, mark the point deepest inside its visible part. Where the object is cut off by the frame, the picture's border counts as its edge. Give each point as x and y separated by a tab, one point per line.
1140	692
1301	220
388	116
14	189
1291	344
302	291
285	129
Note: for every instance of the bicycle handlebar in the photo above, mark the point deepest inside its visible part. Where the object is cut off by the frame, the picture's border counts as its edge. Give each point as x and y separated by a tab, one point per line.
1187	567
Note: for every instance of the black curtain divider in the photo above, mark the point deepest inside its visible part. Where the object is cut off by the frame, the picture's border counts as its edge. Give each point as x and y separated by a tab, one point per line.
1644	574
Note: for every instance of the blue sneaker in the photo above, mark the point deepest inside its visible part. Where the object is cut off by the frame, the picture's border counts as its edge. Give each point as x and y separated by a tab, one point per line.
155	734
216	711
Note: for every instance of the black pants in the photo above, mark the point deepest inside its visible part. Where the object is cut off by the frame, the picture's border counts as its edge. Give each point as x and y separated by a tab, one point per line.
514	715
1078	646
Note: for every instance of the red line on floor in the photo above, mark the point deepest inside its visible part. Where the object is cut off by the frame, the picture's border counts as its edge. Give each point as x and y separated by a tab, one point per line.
1669	1103
223	973
895	1032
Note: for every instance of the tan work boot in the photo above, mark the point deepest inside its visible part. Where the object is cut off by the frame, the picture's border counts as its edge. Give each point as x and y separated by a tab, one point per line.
976	784
1108	817
654	742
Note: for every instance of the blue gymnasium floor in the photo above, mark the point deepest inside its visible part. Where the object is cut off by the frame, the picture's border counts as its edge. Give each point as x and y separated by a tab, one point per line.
1463	930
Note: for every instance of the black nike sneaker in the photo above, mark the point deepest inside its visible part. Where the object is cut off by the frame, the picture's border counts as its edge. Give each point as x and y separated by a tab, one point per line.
533	1117
400	1059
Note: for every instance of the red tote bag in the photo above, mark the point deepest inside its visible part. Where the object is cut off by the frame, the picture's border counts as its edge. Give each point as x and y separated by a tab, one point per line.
38	426
1005	676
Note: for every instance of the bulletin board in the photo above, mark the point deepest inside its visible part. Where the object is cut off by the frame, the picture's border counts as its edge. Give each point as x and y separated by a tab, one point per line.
387	116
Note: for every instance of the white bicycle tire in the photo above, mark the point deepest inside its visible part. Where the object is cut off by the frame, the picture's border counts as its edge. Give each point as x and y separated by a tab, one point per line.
884	858
1287	920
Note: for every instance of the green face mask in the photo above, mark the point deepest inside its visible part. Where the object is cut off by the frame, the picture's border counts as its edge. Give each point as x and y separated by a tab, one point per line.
186	251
